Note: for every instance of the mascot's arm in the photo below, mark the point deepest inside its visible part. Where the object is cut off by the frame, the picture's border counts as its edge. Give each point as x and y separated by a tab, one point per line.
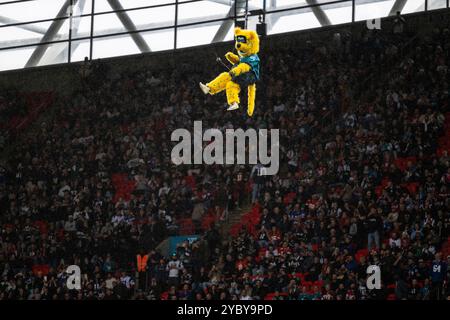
240	68
233	58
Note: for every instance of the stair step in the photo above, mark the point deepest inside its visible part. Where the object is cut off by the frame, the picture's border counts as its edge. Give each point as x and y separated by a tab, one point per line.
235	217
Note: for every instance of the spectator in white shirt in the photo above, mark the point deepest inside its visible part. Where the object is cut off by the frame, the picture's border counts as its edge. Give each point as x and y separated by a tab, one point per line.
173	267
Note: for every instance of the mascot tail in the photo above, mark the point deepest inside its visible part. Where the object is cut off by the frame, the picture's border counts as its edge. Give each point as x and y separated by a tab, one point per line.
251	99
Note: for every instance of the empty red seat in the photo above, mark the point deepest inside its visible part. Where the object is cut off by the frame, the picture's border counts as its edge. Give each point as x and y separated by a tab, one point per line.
164	295
186	226
269	296
319	283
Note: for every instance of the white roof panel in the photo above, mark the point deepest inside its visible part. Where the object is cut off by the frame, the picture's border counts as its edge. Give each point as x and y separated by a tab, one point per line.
188	33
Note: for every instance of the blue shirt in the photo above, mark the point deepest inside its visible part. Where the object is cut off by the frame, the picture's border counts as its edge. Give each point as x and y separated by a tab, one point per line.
253	62
438	270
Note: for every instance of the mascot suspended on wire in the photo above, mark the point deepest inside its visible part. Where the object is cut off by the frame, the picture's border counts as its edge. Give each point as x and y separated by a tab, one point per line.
243	74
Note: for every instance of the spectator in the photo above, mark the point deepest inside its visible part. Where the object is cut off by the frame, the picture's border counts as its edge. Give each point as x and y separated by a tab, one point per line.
362	181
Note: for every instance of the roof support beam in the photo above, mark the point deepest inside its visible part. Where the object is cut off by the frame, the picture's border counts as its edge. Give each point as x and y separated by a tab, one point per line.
238	6
397	6
319	13
27	27
224	27
271	18
52	31
129	25
61	54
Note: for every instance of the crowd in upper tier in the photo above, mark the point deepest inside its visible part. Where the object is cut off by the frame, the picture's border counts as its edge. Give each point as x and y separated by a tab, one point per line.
364	180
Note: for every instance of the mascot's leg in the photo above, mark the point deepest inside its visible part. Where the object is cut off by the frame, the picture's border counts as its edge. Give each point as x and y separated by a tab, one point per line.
233	90
219	83
251	99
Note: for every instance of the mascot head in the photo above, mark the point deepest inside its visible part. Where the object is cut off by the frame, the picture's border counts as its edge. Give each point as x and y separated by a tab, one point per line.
247	42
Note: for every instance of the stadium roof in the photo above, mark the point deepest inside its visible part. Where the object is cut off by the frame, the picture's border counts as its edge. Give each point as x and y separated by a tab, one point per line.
41	32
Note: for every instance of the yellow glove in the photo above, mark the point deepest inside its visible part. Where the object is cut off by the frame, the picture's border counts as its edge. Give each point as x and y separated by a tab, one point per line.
232	57
239	69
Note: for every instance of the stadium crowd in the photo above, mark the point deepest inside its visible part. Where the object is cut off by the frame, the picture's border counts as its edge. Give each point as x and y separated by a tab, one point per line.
364	180
12	107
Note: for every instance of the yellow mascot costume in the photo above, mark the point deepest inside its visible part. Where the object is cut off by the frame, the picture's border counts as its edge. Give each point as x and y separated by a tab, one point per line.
244	73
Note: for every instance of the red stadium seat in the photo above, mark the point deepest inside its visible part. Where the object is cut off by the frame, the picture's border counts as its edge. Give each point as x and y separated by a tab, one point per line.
392	296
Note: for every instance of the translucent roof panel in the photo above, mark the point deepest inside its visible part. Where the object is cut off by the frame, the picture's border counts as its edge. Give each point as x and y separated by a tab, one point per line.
413	6
30	10
155	24
366	10
295	22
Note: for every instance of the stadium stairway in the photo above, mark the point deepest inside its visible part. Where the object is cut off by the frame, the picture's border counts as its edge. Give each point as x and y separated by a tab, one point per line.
38	105
444	141
234	220
123	186
247	219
